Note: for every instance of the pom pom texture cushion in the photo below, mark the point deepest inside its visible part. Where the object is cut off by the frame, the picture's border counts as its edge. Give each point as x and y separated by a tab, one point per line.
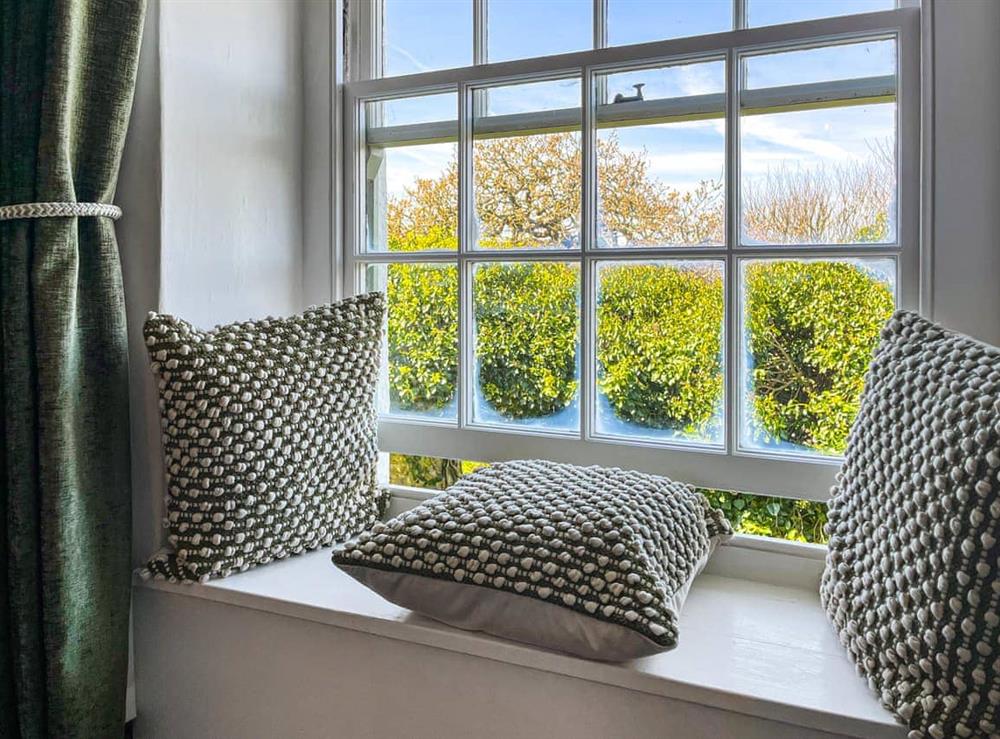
911	575
269	435
591	561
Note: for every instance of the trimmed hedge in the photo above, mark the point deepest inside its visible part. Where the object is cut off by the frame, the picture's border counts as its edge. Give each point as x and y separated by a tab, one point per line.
527	324
659	348
659	344
811	330
423	335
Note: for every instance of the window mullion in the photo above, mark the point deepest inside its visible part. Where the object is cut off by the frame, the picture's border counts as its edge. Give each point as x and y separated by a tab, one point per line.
600	24
479	31
466	235
739	14
588	236
731	401
480	39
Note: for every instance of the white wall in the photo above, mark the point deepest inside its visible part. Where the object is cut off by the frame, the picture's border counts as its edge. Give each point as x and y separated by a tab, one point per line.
227	672
966	209
231	101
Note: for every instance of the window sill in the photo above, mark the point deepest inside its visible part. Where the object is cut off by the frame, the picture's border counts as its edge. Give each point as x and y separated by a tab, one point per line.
748	647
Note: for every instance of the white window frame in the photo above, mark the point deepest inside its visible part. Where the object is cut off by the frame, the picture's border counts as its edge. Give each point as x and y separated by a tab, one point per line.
732	467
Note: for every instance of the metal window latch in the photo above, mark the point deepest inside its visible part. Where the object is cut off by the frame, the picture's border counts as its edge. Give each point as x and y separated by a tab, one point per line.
619	98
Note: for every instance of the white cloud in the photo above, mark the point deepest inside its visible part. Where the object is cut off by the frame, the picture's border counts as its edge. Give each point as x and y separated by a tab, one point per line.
406	164
701	79
685	170
808	140
811	138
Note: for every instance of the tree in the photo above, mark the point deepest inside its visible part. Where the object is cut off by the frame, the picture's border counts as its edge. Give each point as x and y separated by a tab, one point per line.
527	192
842	204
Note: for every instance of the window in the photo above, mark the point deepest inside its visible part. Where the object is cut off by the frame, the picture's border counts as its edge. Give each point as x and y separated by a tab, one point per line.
659	236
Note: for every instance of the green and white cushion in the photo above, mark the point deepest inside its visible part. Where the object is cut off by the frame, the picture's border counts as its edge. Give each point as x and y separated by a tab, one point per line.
911	581
269	435
586	560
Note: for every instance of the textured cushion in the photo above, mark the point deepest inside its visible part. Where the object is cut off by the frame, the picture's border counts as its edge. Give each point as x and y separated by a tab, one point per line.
269	435
911	576
591	561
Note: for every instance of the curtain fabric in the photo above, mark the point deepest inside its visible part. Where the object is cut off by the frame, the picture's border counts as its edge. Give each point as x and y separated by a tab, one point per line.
67	74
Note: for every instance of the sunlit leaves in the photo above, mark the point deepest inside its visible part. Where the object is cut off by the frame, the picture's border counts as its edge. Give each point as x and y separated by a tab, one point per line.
527	322
811	329
659	344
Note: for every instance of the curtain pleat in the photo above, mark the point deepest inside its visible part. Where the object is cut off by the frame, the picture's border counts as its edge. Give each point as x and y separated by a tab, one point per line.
67	75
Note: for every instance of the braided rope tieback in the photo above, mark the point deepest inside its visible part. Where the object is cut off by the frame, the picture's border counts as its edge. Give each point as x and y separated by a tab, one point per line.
59	210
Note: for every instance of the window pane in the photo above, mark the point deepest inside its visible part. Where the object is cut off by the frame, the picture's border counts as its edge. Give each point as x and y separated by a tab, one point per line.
434	473
421	35
526	319
824	64
519	29
771	12
639	21
422	338
526	166
777	518
823	169
660	174
411	173
809	329
660	350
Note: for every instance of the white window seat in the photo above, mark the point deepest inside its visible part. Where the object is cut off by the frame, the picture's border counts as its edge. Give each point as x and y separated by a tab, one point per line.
747	649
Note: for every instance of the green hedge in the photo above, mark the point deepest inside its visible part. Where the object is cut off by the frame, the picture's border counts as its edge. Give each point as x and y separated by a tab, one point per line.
659	345
423	331
527	324
811	329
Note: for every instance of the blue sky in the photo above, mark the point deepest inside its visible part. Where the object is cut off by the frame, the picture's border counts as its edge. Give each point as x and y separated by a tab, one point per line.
434	34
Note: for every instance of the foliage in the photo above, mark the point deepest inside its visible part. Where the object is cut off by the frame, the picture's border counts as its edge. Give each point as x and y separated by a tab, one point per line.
842	204
527	193
659	343
527	190
782	518
808	354
526	336
428	472
423	335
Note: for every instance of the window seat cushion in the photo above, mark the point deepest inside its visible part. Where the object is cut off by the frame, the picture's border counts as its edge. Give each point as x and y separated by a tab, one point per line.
747	647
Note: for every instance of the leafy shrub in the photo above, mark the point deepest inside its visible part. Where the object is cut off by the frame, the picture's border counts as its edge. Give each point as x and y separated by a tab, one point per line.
526	336
659	347
423	335
659	344
783	518
808	354
432	473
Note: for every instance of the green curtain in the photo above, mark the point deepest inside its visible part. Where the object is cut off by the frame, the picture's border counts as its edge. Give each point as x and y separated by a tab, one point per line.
67	74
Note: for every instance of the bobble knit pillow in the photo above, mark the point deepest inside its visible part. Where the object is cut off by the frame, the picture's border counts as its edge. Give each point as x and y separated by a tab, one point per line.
590	561
269	435
911	575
